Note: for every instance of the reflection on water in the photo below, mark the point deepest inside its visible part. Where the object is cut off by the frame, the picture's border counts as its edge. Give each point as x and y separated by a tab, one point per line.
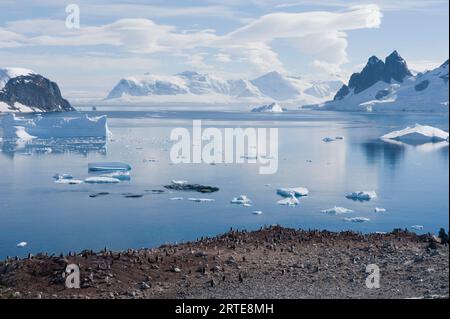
391	153
81	146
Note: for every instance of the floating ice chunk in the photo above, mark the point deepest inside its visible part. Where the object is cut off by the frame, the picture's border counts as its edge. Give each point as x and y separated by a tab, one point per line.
362	195
339	137
417	227
177	198
101	180
179	182
328	139
380	210
270	108
290	201
22	244
68	181
201	200
54	127
108	166
120	175
247	205
357	219
336	210
418	133
257	212
62	176
241	200
296	191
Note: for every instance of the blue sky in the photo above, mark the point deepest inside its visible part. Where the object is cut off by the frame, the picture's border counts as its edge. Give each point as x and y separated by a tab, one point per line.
234	39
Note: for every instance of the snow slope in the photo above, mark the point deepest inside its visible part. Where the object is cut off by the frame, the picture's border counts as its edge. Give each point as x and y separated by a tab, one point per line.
8	73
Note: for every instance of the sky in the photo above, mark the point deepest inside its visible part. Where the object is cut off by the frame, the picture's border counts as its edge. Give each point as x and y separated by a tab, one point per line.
229	38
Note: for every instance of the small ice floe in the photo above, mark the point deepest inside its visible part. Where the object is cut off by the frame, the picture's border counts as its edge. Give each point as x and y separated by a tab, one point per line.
241	200
290	201
336	210
417	227
179	182
22	244
98	194
108	166
201	200
62	176
120	175
68	181
270	108
418	134
289	191
131	195
357	219
328	139
362	195
257	212
380	210
101	180
177	198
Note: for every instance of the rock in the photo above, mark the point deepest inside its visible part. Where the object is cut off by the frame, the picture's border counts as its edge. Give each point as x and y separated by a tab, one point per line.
145	285
192	187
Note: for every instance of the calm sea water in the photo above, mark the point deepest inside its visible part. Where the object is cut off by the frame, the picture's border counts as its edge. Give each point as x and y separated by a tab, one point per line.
411	182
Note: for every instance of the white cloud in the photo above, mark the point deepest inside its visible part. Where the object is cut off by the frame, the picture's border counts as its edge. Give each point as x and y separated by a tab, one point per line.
321	34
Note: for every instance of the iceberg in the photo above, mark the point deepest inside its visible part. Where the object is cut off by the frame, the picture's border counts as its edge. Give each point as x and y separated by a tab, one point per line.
357	219
120	175
417	227
270	108
336	210
241	200
328	139
418	134
380	210
201	200
67	181
51	126
257	212
296	191
22	244
62	176
101	180
362	195
108	166
290	201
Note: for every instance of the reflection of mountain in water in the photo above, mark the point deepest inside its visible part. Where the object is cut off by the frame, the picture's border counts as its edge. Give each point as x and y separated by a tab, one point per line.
82	146
391	153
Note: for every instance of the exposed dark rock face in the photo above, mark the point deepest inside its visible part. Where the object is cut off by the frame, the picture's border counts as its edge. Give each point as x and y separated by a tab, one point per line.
422	85
394	68
34	91
193	187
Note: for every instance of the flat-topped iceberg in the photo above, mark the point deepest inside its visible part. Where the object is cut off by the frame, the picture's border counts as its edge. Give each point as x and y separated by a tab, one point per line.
101	180
270	108
418	134
241	200
289	201
289	191
336	210
108	166
45	127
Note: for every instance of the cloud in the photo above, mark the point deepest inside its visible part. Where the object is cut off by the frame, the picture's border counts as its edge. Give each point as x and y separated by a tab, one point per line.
319	33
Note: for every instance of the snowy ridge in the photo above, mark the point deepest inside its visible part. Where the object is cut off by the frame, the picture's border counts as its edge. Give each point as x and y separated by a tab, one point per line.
205	88
8	73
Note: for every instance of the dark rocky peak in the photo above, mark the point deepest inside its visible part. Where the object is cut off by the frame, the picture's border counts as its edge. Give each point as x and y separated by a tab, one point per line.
34	91
371	74
396	68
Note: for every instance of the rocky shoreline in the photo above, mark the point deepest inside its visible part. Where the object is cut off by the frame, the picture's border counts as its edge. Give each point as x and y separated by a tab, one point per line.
273	262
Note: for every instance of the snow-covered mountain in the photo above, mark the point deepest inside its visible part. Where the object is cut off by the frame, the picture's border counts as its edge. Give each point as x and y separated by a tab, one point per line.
22	90
391	86
206	87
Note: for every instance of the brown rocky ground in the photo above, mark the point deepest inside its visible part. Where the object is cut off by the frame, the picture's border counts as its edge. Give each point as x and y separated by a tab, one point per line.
273	262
